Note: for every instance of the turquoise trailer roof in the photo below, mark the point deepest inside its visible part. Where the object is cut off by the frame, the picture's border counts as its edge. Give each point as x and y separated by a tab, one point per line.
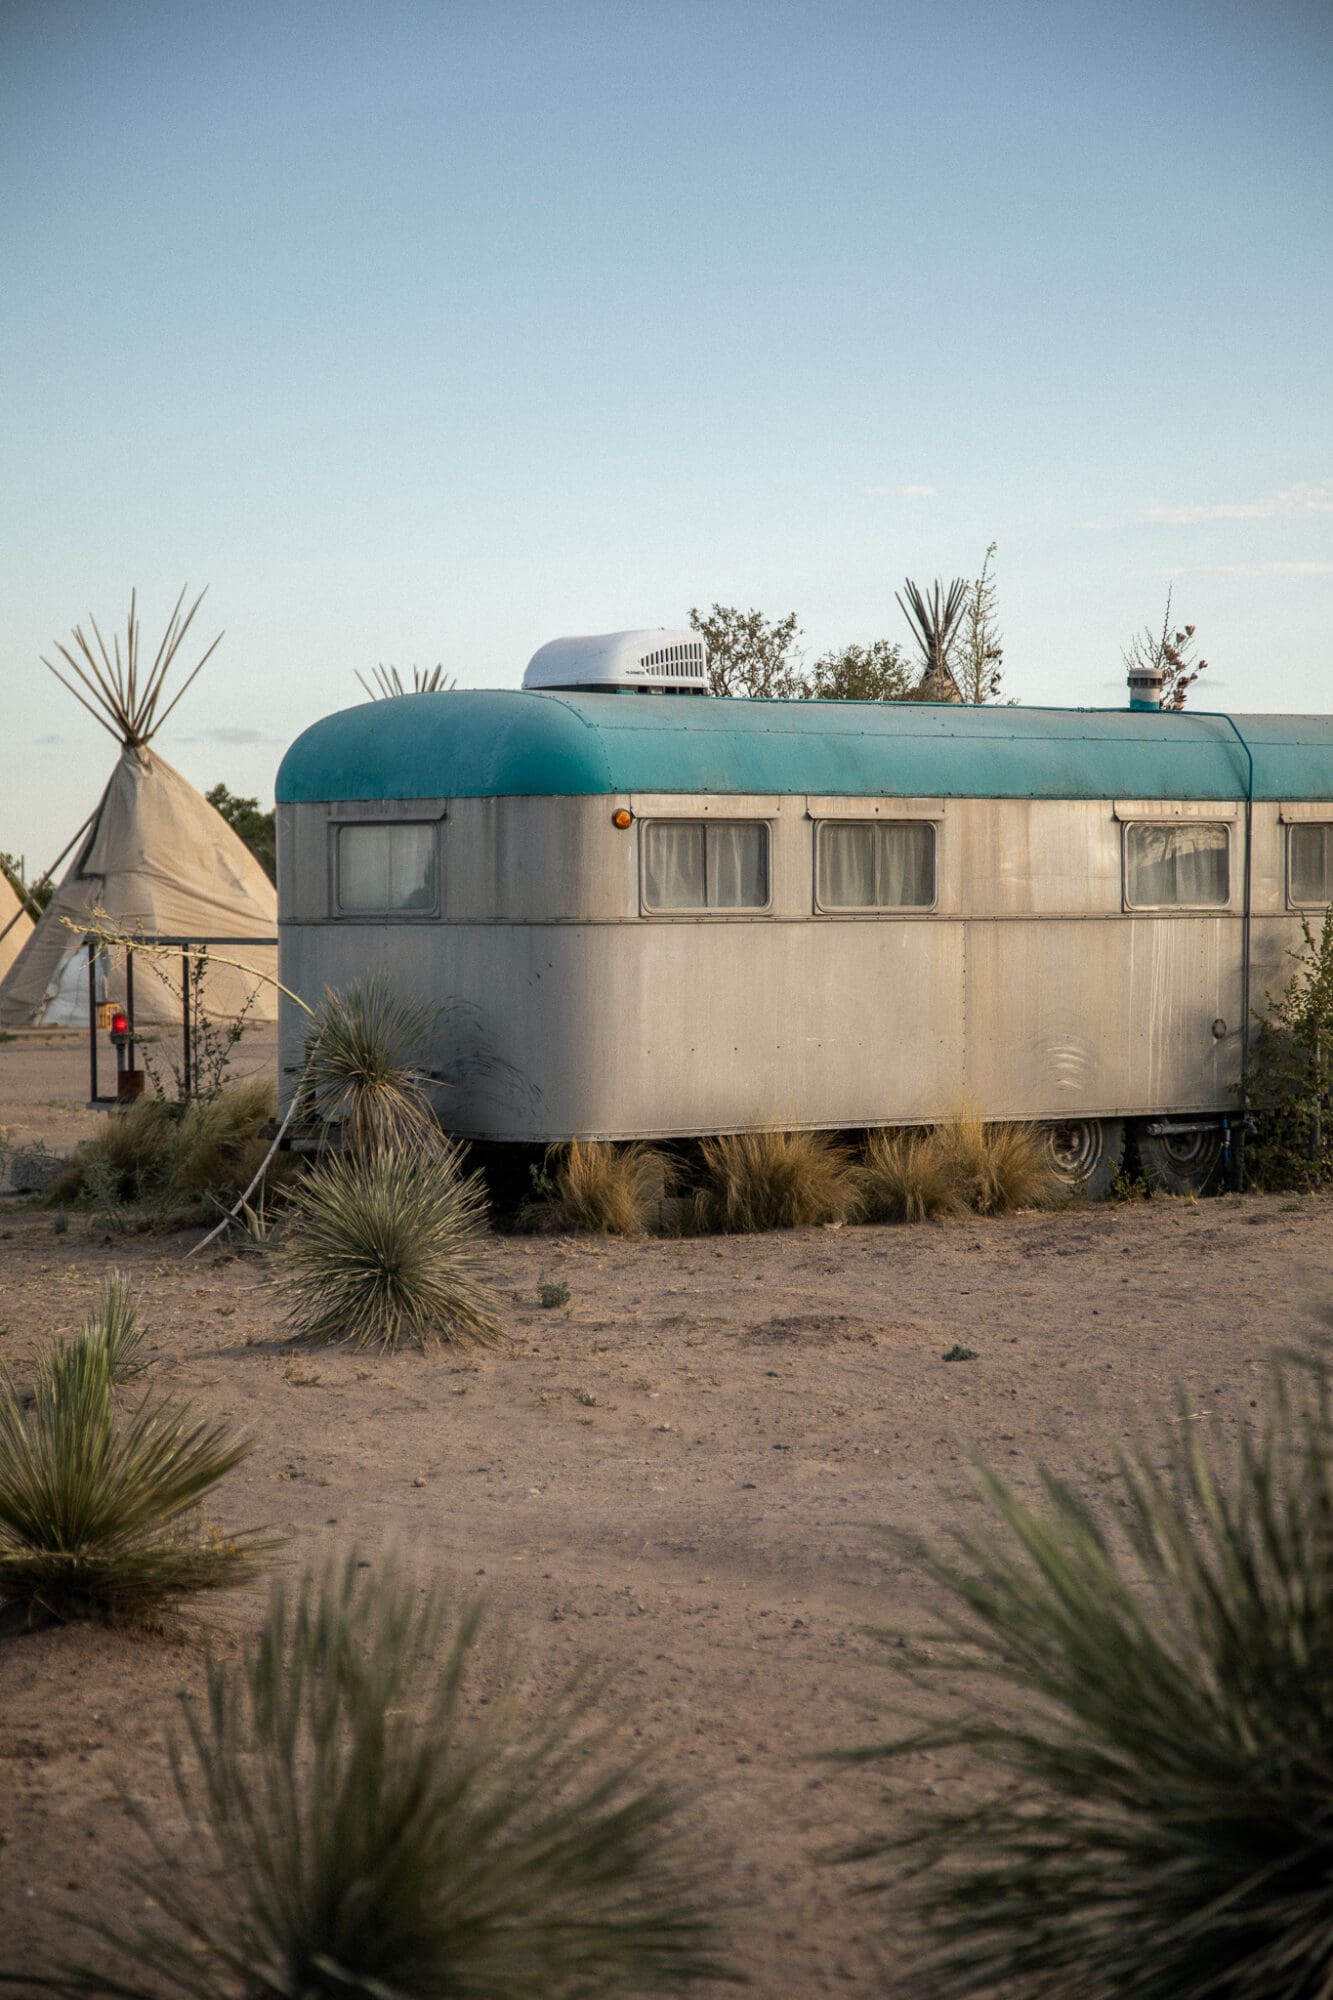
490	743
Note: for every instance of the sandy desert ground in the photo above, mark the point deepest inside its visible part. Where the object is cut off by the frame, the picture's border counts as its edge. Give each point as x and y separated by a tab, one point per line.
683	1476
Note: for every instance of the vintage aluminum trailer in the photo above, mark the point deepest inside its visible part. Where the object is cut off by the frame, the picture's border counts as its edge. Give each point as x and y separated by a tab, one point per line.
670	916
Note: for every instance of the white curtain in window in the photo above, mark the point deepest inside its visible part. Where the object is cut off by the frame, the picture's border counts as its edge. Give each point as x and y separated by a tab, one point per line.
1312	863
673	865
1171	865
737	865
386	867
876	865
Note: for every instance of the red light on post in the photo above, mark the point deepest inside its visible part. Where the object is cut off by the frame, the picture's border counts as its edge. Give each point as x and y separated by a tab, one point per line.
120	1027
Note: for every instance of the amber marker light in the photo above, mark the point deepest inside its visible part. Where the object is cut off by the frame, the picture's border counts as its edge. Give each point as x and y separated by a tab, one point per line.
622	817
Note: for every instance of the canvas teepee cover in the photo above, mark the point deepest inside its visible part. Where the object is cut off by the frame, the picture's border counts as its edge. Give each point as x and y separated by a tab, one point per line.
157	859
15	925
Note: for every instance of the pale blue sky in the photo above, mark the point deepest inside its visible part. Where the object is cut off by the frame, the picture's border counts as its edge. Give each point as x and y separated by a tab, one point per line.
432	332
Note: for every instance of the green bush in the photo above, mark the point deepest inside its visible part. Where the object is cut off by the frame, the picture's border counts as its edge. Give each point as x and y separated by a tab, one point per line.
169	1155
1291	1080
1146	1714
357	1825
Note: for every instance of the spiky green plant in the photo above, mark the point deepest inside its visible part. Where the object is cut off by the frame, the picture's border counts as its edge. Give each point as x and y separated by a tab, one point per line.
94	1510
356	1825
386	1245
775	1180
361	1074
608	1188
114	1327
1150	1713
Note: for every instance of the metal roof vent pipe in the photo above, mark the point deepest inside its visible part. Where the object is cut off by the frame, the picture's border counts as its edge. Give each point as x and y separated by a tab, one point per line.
1146	682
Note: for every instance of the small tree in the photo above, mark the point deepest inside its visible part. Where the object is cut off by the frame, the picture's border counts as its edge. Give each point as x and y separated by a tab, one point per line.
877	672
1292	1080
935	621
1171	654
255	828
979	649
750	655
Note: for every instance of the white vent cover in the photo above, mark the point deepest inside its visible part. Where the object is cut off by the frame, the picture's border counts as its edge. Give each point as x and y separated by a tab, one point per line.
607	660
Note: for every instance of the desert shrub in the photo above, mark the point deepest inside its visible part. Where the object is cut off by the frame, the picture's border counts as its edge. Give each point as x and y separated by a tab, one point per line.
356	1824
774	1180
171	1155
385	1245
93	1508
595	1185
1291	1081
907	1177
360	1073
1150	1714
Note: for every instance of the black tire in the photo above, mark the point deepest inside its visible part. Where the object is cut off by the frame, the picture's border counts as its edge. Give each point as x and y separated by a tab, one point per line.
1085	1154
1179	1162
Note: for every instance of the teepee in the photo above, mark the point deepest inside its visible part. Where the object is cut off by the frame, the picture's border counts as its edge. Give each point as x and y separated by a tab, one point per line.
156	861
15	925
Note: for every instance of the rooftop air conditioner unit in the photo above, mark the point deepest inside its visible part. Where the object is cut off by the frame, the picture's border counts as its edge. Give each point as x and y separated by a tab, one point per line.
653	662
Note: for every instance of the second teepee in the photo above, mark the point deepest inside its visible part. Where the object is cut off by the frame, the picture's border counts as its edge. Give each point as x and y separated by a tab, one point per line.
15	925
156	859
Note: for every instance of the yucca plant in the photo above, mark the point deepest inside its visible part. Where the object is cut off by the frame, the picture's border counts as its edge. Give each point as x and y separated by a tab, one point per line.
907	1177
94	1510
935	621
361	1074
357	1825
1153	1710
387	1245
774	1180
114	1328
604	1187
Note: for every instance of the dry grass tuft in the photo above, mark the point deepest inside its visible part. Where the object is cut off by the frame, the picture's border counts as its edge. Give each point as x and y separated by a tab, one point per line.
614	1190
387	1245
908	1177
996	1167
958	1166
775	1180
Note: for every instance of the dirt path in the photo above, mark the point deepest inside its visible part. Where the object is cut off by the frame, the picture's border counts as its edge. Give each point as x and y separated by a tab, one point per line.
682	1475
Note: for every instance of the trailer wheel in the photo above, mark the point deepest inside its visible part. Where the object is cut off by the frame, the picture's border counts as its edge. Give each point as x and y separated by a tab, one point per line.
1179	1162
1085	1154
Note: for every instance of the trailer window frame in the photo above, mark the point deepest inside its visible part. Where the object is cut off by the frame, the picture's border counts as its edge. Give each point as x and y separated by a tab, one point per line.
387	912
705	912
1155	823
841	910
1303	825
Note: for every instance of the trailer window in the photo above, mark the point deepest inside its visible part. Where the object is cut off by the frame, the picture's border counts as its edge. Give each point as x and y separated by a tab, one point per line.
387	869
1310	863
1176	866
704	864
876	865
